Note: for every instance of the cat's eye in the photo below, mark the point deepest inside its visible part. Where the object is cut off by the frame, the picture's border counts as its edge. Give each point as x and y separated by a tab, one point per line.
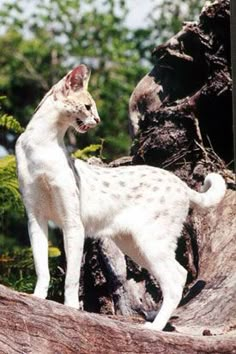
88	107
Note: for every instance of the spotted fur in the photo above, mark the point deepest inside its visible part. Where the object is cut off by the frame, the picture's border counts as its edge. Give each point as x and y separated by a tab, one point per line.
140	208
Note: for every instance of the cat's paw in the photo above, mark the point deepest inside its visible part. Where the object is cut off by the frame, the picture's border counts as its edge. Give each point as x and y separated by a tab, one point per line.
149	325
72	303
40	293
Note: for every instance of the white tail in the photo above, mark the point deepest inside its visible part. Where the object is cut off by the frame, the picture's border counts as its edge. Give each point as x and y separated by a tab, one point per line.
213	191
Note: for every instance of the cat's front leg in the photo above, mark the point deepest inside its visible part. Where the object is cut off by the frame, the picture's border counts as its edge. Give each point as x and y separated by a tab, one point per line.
73	243
38	233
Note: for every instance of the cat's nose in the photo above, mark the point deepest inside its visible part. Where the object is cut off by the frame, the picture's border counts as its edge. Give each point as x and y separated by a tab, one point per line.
97	120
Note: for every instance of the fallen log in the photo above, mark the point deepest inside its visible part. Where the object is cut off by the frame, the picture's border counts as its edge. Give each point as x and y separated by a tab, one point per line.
31	325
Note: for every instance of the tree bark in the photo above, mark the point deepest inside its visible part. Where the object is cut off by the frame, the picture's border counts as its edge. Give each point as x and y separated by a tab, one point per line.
31	325
209	306
186	99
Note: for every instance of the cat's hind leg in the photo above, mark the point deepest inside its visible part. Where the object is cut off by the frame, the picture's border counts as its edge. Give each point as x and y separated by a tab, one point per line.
157	255
171	277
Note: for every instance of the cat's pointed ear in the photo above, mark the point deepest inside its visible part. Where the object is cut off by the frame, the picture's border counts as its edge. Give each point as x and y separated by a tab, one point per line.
78	78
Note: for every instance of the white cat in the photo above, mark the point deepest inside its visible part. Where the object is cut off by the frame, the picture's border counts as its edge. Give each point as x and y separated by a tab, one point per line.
141	208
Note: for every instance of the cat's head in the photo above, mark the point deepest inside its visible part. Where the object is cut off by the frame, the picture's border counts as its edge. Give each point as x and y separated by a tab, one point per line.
73	102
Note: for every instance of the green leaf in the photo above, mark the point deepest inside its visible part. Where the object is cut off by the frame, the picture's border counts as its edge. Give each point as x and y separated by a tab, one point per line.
87	152
11	123
10	197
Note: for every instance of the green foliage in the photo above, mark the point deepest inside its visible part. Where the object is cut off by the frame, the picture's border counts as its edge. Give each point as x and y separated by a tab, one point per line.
87	152
10	123
10	198
28	74
52	37
11	206
168	16
17	271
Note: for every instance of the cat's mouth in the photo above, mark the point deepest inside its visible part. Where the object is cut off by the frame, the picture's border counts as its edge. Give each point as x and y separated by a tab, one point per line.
81	127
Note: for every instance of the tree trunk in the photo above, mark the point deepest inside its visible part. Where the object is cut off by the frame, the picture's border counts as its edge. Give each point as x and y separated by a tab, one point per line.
31	325
210	305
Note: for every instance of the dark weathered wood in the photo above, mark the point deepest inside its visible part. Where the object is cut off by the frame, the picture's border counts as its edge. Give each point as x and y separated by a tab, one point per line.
186	99
214	308
31	325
